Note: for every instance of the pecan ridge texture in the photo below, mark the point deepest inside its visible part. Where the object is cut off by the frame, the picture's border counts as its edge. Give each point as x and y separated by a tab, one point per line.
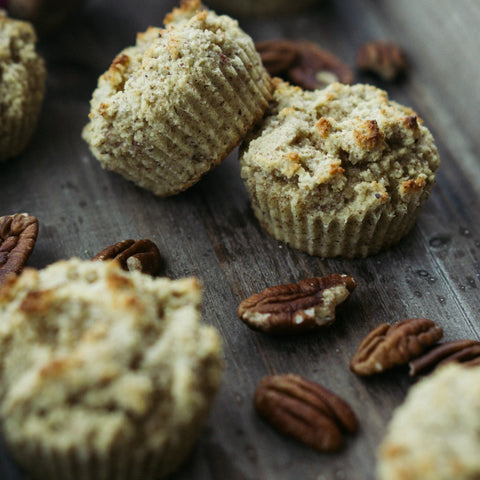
303	63
466	352
277	55
305	410
297	307
18	234
385	59
142	255
388	346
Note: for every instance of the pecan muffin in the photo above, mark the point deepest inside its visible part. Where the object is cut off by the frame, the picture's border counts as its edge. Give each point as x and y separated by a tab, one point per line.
175	105
341	171
22	85
103	371
434	434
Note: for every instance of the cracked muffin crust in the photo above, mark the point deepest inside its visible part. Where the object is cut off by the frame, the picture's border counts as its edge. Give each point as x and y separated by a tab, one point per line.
22	85
433	435
175	105
103	370
339	171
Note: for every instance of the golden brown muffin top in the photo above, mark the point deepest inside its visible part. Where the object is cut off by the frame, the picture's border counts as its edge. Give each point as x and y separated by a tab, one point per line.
349	148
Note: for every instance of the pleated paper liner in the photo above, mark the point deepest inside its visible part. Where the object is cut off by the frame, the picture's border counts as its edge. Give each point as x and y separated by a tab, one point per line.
356	236
18	132
121	462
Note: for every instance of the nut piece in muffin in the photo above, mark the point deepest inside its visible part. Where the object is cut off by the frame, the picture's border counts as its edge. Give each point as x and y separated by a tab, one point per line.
341	171
22	85
434	434
103	371
173	106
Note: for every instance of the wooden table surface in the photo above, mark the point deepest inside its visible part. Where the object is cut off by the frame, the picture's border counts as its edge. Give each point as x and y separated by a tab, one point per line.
209	231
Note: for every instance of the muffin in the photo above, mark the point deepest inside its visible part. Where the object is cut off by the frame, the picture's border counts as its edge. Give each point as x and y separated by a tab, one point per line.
22	85
260	8
341	171
434	434
175	105
103	371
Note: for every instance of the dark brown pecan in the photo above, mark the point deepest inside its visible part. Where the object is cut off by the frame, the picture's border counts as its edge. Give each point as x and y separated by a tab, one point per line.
315	68
303	63
296	307
466	352
277	55
305	410
388	346
385	59
18	234
142	255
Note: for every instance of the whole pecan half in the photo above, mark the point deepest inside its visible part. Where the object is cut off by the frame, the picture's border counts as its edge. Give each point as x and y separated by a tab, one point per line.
466	352
142	255
18	234
305	410
388	346
297	307
303	63
385	59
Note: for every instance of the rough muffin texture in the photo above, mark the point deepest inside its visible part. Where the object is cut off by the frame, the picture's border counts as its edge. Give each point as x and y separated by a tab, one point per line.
339	171
174	105
103	371
434	435
22	85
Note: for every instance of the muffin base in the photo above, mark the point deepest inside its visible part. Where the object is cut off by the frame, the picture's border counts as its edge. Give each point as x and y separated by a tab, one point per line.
353	237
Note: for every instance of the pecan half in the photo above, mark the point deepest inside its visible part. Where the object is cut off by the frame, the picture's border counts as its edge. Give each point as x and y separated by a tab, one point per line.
316	68
305	410
18	234
142	255
388	346
466	352
277	55
297	307
303	63
385	59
